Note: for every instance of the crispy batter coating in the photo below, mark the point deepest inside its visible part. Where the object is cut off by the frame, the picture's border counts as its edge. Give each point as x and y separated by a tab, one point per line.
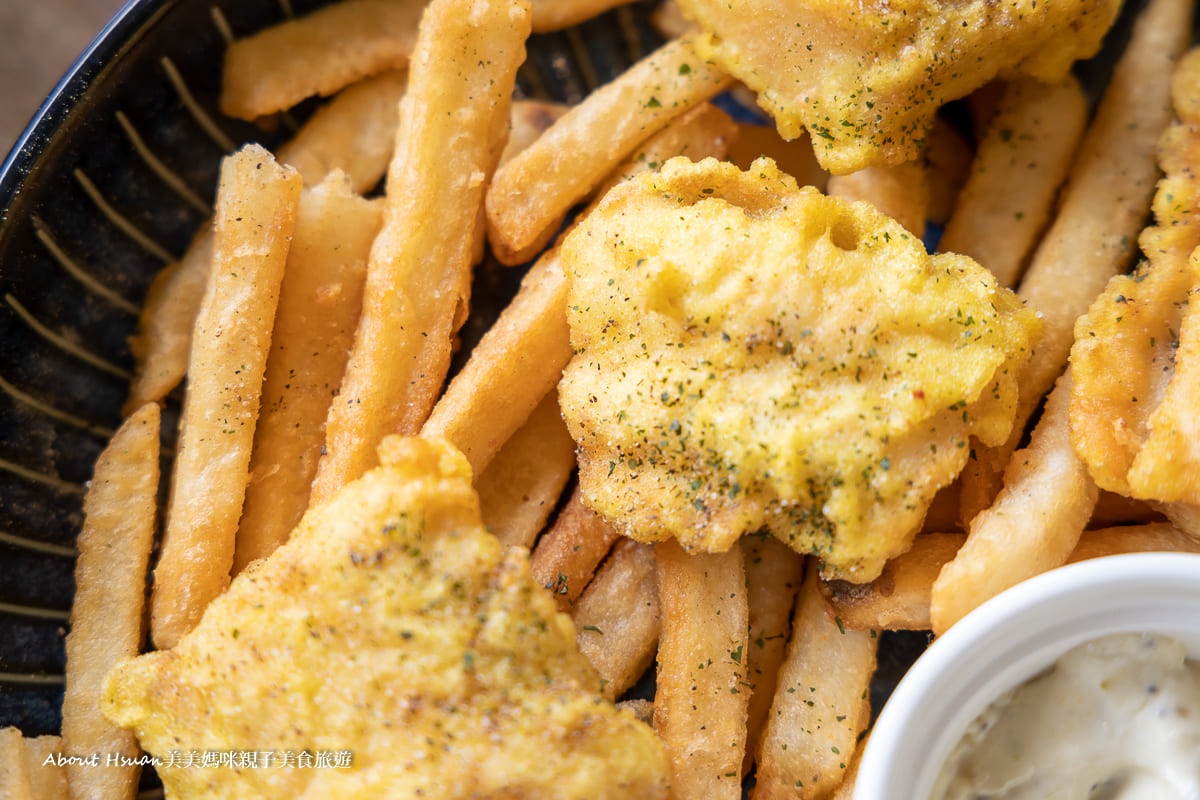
751	355
392	626
1136	357
865	78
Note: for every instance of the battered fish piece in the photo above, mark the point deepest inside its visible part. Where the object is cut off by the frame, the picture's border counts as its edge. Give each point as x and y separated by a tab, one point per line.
752	355
392	627
865	78
1136	357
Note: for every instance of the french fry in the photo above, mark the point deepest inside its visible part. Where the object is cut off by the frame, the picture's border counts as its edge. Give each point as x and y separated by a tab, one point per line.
554	15
1102	208
796	157
521	487
617	618
942	514
49	781
1153	537
317	54
698	133
14	771
24	775
1014	179
901	192
523	354
1184	516
1116	509
355	132
419	273
981	106
845	790
107	625
1033	525
566	557
529	120
518	361
821	703
319	302
531	194
898	600
948	158
701	698
669	21
774	572
164	336
256	208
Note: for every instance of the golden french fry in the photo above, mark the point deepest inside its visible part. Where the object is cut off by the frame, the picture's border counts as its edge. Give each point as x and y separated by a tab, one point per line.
1014	179
981	106
256	208
701	132
517	362
317	54
702	693
567	555
554	15
943	510
796	157
49	781
355	132
898	599
669	21
164	337
420	272
319	302
1033	525
523	354
14	771
1153	537
24	773
948	158
774	572
532	193
520	488
1102	208
821	703
529	120
901	192
845	791
1117	509
617	618
120	509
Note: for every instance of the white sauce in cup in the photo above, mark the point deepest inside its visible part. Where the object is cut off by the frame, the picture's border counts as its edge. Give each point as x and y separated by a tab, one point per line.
1117	718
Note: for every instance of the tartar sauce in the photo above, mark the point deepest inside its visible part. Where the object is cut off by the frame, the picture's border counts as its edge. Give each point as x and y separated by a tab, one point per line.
1117	718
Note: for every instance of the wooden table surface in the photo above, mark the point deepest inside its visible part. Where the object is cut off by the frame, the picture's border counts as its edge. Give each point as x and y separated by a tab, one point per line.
39	40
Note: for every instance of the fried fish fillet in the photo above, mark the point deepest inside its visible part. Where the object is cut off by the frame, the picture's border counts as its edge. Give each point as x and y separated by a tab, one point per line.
1136	357
751	355
391	628
865	78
